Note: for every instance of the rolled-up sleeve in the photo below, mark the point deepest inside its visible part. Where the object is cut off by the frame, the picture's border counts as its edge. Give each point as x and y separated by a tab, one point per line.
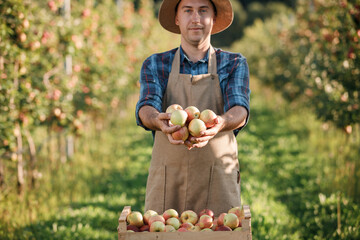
151	92
236	87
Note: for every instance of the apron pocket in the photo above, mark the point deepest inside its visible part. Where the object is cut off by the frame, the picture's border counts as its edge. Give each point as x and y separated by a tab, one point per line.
155	189
224	190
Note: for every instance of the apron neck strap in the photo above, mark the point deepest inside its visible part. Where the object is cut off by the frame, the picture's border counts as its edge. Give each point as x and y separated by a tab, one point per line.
212	64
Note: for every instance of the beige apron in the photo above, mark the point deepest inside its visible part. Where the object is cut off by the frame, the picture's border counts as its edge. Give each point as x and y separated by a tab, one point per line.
199	178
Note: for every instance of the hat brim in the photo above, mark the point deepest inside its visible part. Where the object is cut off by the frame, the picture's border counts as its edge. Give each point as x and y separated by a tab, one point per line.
224	16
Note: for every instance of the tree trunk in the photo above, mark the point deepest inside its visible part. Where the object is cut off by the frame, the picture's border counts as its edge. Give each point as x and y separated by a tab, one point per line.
20	162
33	158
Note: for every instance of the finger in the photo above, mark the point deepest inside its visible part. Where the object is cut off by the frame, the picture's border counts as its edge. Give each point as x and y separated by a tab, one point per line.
173	141
164	116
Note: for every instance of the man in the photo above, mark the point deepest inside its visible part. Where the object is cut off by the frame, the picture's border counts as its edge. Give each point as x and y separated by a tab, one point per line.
205	172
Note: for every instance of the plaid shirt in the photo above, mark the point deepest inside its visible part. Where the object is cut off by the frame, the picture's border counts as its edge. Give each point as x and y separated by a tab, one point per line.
232	69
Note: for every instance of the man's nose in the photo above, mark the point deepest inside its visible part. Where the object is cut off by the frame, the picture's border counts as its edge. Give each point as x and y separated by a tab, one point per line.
195	17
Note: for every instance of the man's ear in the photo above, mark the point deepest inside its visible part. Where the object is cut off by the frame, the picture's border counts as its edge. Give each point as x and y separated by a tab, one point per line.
176	20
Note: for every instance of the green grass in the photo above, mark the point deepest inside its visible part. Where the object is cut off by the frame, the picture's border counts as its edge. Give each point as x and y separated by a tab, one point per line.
283	179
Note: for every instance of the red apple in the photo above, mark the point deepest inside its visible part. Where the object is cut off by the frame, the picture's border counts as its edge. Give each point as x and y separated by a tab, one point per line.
186	225
132	227
221	219
209	117
181	134
231	220
156	218
149	213
157	227
196	126
178	117
205	221
169	213
189	215
145	228
238	211
135	218
175	222
173	107
192	112
183	230
207	212
223	228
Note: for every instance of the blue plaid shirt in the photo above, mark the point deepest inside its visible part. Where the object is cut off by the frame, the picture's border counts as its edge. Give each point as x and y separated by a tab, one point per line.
232	69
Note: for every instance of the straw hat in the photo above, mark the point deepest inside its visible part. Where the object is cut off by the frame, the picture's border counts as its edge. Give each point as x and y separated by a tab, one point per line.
224	15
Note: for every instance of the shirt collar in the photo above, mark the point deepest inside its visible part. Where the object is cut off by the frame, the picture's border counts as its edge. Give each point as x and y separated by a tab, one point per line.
183	57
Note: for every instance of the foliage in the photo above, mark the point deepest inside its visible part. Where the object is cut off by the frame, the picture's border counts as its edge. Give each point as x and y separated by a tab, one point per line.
61	68
312	56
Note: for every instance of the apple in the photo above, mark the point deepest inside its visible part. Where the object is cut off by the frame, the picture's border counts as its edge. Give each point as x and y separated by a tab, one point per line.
205	221
223	228
135	218
132	227
156	218
149	213
192	112
169	228
195	228
238	229
145	228
207	212
186	225
189	215
206	230
181	134
196	126
209	117
220	221
173	107
169	213
238	211
231	220
157	227
183	230
173	222
178	117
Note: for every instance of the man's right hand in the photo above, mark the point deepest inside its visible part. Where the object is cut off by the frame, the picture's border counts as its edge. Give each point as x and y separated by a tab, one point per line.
153	119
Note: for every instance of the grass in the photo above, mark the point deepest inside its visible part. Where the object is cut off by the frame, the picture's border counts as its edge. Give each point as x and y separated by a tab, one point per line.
282	181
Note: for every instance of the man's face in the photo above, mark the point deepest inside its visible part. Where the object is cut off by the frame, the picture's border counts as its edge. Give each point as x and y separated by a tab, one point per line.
195	19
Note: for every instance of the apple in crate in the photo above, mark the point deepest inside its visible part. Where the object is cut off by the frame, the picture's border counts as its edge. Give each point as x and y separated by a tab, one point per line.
223	228
238	211
156	218
205	221
133	228
196	126
207	212
178	117
186	225
173	107
169	228
181	134
175	222
157	227
238	229
206	230
220	220
135	218
208	117
193	112
148	214
231	220
183	230
145	228
189	215
169	213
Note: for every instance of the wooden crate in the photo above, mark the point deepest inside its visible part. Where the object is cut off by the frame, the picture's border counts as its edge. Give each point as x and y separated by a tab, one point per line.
245	234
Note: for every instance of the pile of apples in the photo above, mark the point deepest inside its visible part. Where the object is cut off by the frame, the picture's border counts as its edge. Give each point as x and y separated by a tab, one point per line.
191	120
188	221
